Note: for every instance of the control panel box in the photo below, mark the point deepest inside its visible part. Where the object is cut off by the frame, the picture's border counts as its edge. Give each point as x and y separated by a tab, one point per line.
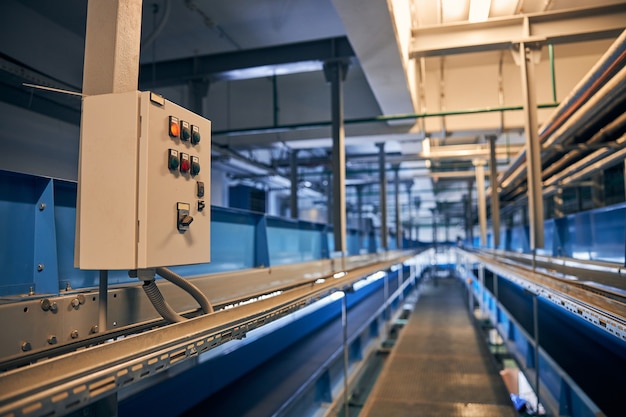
143	184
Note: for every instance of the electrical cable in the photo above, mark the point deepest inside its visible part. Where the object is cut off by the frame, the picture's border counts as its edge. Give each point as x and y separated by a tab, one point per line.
159	303
187	286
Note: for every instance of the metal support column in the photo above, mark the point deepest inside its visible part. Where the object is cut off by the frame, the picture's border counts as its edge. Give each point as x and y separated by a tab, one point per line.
198	90
335	74
103	302
112	41
382	173
481	279
346	360
533	147
495	197
293	197
111	65
359	213
409	184
482	203
536	350
329	199
470	212
396	185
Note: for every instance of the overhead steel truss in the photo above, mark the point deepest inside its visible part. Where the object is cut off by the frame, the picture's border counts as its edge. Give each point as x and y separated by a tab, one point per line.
574	25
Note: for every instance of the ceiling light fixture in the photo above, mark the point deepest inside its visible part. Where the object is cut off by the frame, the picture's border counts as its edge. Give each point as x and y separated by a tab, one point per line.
479	10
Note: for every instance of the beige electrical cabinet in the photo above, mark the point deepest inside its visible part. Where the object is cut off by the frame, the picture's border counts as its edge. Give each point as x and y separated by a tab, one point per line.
143	184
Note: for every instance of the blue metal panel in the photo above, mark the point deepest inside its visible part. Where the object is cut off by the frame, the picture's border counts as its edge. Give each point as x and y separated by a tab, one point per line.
45	255
261	248
591	357
549	238
598	234
353	242
18	197
562	243
292	241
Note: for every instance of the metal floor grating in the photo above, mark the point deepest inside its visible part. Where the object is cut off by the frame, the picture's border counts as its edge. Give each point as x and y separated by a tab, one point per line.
439	366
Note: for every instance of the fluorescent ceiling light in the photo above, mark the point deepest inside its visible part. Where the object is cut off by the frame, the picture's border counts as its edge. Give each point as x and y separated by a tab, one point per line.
270	70
479	10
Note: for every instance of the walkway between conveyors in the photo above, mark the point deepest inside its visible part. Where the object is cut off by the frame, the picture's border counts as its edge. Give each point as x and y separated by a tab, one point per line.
440	366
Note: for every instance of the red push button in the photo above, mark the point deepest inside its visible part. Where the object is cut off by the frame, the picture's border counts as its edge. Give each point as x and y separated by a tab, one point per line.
185	164
174	129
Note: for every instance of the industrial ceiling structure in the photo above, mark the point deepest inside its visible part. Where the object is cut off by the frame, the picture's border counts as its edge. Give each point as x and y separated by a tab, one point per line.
429	84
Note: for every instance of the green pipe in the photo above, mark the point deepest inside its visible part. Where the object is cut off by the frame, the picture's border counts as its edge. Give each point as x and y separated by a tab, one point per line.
372	171
552	73
310	125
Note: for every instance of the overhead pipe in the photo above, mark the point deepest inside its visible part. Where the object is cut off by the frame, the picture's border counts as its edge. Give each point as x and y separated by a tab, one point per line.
593	163
613	129
598	160
612	91
610	62
375	119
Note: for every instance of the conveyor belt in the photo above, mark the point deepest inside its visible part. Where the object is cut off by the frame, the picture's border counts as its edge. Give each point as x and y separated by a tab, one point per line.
439	366
261	392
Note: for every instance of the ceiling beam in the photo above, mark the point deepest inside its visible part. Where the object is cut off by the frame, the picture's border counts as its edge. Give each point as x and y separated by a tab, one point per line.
380	35
220	66
568	26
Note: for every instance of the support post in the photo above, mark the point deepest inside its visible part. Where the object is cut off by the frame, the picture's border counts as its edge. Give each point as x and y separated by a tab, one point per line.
346	362
470	212
335	74
359	213
111	65
409	184
482	203
293	197
533	147
396	185
536	352
103	301
382	175
112	42
495	196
